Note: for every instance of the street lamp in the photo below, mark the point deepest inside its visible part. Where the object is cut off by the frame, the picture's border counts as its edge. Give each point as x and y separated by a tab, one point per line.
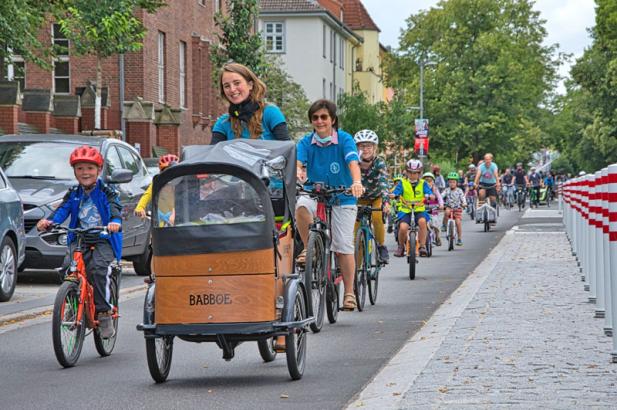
422	64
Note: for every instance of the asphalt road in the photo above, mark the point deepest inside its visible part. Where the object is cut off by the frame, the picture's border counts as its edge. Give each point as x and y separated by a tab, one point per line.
340	360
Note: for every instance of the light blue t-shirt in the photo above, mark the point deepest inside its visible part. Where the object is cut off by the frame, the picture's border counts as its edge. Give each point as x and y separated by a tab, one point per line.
487	175
330	164
271	118
89	215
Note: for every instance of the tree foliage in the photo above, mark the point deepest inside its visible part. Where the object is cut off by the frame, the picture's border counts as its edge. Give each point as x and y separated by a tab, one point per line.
238	40
585	127
20	24
287	95
490	76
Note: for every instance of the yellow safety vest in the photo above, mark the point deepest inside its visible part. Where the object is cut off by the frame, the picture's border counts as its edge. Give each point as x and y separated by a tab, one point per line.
412	197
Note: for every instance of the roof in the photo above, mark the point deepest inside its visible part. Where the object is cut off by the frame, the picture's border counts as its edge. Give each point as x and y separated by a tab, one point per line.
290	5
356	16
304	7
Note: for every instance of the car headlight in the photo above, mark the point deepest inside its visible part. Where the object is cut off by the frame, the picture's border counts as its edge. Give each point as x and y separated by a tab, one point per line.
62	239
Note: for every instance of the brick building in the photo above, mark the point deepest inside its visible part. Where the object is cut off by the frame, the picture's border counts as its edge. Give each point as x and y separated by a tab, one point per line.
169	96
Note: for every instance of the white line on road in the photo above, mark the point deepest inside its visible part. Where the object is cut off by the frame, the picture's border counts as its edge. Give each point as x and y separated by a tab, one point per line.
388	387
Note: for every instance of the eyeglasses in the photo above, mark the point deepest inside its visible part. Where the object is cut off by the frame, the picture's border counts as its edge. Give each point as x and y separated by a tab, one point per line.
323	117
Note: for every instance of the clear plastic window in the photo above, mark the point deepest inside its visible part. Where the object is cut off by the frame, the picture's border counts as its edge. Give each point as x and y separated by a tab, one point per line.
212	199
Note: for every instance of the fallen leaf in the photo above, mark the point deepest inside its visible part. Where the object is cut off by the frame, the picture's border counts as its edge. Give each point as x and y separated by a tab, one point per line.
443	389
284	396
396	394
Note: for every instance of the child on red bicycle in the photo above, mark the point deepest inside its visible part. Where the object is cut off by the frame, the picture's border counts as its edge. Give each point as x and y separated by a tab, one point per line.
454	200
92	203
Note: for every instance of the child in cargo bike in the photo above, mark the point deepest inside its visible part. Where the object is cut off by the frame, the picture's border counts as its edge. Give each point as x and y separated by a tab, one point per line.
92	203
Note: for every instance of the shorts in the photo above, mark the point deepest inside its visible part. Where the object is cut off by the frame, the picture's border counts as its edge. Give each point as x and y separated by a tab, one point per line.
407	217
341	224
491	189
457	212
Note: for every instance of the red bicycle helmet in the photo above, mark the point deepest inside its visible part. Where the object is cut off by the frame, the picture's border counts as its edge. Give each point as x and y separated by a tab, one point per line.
86	154
167	160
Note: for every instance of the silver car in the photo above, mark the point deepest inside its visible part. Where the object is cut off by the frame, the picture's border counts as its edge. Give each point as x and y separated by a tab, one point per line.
12	236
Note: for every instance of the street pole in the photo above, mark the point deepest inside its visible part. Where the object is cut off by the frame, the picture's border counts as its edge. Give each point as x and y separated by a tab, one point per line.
421	89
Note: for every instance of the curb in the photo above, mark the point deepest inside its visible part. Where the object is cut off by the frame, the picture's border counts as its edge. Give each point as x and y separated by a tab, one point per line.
43	313
388	388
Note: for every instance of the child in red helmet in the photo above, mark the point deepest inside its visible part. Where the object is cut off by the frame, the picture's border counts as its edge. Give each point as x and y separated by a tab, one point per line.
140	210
92	203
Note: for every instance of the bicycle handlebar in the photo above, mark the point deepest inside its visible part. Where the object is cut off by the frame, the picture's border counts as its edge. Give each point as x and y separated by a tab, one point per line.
323	191
79	231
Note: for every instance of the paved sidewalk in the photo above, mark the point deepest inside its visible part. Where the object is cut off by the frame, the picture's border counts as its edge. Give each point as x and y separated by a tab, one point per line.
519	333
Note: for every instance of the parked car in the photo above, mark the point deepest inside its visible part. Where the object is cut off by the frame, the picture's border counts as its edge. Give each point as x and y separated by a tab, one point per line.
38	167
12	237
152	164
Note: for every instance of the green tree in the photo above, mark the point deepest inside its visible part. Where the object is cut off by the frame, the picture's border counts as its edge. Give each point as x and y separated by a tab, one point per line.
20	24
287	95
238	40
355	113
104	28
491	74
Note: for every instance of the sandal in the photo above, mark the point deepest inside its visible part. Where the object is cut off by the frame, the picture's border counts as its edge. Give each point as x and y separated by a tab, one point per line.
423	251
349	302
301	259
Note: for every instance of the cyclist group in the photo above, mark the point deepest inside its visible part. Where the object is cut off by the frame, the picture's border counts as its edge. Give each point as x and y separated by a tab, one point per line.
327	155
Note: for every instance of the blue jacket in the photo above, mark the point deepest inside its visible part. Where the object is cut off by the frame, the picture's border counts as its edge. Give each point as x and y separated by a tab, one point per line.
107	203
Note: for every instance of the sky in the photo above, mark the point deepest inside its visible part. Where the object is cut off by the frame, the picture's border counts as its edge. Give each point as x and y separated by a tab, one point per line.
566	22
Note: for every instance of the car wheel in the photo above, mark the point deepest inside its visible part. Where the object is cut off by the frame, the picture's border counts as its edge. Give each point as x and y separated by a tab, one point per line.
8	269
141	263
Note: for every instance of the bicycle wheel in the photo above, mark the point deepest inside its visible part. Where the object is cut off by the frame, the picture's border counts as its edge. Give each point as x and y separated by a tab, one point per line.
296	342
67	333
361	253
266	349
159	352
333	294
451	228
430	237
315	279
411	255
105	346
486	222
373	276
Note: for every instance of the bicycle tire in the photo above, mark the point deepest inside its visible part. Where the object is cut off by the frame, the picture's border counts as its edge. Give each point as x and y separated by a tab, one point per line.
451	235
429	241
411	255
373	277
266	349
360	254
105	346
67	303
159	352
314	279
333	294
295	343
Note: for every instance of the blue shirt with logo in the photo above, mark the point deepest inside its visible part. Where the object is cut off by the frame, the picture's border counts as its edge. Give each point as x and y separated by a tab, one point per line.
487	175
272	117
329	164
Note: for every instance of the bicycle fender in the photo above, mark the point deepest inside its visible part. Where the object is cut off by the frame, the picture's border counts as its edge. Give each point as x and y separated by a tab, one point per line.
149	305
291	287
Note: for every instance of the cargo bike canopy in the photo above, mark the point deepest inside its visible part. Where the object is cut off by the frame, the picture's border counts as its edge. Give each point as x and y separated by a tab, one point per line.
223	198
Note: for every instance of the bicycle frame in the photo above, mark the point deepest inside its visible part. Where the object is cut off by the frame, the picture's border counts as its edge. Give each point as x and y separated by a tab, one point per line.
366	227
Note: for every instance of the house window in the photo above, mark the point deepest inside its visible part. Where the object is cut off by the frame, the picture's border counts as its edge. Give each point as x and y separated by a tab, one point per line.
324	42
332	34
323	86
182	67
202	2
331	92
16	71
62	65
217	6
161	66
342	54
334	48
274	35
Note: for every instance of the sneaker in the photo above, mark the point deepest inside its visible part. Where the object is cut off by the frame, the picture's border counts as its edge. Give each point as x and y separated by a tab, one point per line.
106	325
400	251
437	241
383	253
459	243
423	252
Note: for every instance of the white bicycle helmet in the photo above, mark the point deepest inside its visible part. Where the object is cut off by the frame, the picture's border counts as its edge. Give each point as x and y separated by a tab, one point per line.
471	166
414	165
366	136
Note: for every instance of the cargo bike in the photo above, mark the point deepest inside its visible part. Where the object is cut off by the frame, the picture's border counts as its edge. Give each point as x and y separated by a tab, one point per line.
223	260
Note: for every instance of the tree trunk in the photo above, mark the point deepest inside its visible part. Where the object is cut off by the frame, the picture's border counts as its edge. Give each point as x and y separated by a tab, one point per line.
97	100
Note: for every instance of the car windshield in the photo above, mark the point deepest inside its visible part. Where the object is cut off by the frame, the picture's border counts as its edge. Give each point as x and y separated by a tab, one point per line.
213	199
39	160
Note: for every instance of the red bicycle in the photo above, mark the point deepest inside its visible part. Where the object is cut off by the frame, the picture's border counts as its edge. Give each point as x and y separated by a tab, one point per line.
74	308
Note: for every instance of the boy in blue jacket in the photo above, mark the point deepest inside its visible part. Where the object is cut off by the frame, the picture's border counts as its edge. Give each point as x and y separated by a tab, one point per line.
92	203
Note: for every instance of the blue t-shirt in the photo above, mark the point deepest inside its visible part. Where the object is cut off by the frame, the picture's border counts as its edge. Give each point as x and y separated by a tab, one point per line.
330	164
89	216
271	118
487	175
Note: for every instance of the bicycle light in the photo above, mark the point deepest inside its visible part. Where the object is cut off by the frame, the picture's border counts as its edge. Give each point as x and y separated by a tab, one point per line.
62	239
